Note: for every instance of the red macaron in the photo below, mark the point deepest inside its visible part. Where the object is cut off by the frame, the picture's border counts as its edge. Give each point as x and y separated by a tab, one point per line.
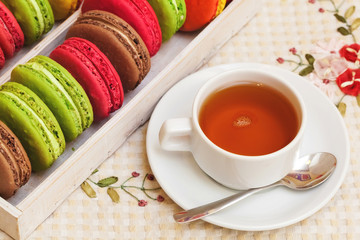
95	73
137	13
2	59
11	35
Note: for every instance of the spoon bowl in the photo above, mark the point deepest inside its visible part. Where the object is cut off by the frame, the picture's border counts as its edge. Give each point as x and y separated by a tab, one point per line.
308	171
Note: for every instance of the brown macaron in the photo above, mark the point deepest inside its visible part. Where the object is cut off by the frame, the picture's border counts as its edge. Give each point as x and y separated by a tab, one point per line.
15	168
118	41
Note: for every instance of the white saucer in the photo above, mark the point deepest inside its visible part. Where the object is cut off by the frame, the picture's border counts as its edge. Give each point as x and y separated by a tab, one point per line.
188	186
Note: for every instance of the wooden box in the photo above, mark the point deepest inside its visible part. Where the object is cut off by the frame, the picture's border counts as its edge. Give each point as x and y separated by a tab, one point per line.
181	55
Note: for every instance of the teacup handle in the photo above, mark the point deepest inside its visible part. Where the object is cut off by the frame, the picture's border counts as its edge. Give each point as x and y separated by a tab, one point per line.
175	134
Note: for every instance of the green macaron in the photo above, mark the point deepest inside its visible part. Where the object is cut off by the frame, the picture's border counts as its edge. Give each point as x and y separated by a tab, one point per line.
35	17
60	92
171	15
33	123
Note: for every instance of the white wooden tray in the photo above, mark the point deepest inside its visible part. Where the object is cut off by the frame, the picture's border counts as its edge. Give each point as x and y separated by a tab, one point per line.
181	55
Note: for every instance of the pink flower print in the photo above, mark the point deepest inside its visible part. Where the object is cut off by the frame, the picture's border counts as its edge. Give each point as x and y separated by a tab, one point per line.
323	84
330	67
323	48
349	82
280	60
160	198
293	50
150	177
142	203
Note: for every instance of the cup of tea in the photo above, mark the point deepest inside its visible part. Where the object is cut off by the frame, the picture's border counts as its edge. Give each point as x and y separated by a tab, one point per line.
245	130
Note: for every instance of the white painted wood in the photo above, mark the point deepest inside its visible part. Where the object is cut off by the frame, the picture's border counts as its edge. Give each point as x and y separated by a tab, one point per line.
9	216
182	55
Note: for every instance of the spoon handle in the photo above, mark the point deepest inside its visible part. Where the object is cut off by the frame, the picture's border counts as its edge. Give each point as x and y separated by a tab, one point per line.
211	208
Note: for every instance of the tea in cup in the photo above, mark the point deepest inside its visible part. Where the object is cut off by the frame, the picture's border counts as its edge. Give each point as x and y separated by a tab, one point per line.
245	130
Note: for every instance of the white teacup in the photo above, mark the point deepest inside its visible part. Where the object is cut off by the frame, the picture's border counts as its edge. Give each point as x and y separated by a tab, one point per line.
236	171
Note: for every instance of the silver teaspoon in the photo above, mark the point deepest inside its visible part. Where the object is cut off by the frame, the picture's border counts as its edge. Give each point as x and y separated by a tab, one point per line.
309	171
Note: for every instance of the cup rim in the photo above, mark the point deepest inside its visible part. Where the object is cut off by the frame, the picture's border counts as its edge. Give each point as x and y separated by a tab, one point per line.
294	141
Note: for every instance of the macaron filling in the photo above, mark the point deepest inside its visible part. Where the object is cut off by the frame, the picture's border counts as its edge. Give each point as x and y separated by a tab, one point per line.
71	86
15	167
39	16
123	34
180	16
56	151
126	40
4	151
59	88
16	153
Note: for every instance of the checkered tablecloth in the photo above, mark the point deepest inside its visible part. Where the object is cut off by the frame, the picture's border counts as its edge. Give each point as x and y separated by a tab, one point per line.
282	30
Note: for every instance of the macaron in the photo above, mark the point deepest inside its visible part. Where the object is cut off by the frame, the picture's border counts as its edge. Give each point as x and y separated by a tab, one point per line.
11	35
118	41
59	91
171	15
33	123
95	73
201	12
2	58
15	167
137	13
64	8
35	17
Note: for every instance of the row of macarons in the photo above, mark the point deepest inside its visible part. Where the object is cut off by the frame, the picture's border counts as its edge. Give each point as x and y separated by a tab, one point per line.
25	22
45	105
155	21
51	100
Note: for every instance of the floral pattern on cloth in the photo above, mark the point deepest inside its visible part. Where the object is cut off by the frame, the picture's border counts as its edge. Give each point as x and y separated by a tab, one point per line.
333	65
109	183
